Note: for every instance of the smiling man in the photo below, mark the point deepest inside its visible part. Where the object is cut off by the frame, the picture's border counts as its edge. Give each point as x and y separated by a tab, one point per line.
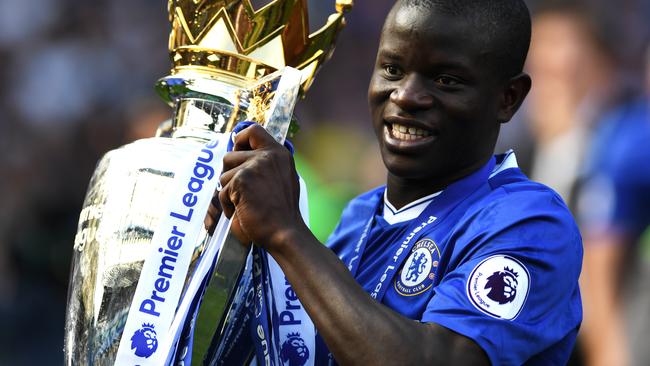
459	259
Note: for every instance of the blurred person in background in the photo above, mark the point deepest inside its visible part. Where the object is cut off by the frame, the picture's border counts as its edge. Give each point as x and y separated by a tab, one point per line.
613	208
592	129
574	83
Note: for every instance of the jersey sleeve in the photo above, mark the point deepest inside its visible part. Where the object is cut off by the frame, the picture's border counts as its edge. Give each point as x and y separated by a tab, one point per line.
512	280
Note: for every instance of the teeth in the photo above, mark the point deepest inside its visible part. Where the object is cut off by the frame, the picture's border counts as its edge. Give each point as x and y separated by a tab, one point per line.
402	132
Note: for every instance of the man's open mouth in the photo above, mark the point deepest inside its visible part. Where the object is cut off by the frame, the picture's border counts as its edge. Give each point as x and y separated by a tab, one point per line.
405	133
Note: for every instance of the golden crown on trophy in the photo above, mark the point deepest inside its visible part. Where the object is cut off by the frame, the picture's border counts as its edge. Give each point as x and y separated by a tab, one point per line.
231	39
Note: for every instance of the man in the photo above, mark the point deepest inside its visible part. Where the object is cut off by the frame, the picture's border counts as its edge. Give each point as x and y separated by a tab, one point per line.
459	259
584	114
614	212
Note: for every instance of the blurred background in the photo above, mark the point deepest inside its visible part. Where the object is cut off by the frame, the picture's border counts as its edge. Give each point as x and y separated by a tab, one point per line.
78	81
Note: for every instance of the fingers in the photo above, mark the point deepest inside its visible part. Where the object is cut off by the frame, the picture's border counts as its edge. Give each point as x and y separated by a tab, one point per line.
233	162
234	159
226	202
252	138
209	223
213	214
253	174
239	233
231	182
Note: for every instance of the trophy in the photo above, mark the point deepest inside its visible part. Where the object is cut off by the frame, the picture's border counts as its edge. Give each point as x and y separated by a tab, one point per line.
231	63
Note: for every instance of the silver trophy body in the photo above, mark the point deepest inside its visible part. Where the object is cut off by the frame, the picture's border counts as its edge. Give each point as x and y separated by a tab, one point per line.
118	219
124	204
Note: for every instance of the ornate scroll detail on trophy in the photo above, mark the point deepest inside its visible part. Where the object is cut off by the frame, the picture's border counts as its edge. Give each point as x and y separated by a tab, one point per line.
227	62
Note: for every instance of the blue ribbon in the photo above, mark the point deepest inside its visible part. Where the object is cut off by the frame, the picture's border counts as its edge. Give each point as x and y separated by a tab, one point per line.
243	125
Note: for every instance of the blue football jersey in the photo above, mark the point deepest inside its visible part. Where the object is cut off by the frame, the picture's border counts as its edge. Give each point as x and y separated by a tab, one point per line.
494	257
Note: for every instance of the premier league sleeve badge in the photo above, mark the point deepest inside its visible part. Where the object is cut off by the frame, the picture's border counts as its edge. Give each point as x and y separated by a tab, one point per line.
419	270
498	286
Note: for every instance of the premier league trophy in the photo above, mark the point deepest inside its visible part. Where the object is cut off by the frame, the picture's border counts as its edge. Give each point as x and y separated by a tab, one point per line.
141	247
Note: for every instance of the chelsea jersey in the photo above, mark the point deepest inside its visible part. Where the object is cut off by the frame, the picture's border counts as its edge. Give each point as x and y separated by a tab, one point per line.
494	257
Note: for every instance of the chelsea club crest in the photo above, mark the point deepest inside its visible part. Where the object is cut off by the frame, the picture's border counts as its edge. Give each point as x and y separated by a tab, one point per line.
419	269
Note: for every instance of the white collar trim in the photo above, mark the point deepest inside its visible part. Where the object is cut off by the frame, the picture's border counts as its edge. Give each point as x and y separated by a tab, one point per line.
509	161
415	208
408	212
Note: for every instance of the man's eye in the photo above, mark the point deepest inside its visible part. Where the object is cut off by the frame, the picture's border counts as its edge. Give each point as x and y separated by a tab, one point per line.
447	80
392	70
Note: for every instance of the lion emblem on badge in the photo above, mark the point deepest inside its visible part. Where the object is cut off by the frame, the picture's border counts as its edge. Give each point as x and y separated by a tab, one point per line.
417	266
294	351
144	341
502	285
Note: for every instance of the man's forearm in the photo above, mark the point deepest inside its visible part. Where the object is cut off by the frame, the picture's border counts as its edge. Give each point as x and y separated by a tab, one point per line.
356	328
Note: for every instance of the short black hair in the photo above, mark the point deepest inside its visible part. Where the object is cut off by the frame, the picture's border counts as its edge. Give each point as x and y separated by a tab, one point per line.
504	25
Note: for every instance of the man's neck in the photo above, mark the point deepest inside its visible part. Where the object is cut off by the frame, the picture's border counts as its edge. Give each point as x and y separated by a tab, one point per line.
401	191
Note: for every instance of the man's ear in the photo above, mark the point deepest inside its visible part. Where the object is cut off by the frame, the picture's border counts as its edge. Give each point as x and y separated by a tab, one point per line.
513	94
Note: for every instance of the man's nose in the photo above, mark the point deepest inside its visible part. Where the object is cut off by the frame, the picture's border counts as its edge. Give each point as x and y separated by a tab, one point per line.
412	94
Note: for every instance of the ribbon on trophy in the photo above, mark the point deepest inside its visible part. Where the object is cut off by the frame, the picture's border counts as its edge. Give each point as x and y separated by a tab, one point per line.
266	313
164	271
281	329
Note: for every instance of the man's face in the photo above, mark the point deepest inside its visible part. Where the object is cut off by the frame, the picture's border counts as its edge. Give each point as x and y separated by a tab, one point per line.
432	97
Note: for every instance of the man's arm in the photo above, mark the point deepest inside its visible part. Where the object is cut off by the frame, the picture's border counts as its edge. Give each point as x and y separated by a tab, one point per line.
356	328
261	190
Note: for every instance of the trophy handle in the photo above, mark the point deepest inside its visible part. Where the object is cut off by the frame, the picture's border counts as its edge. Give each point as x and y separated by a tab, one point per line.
278	118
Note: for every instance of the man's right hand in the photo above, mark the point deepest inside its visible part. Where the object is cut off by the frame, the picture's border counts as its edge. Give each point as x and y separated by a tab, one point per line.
260	189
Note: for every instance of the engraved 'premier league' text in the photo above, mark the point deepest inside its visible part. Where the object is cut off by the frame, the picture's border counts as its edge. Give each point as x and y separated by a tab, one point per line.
169	253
